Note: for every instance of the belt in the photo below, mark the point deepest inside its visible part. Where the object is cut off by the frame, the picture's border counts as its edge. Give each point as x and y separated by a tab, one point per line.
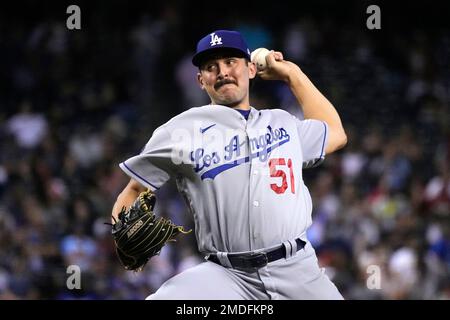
255	260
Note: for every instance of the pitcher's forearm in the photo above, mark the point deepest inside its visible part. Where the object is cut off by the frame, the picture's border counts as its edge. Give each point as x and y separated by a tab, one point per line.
126	197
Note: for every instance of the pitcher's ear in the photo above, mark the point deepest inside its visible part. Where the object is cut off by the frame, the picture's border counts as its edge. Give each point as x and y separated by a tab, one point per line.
251	70
200	81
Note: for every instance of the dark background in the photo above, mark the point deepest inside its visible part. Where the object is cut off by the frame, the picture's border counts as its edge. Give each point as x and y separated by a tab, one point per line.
73	104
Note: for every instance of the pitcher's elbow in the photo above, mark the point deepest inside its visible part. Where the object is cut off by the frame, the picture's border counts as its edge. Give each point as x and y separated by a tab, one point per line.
343	140
340	140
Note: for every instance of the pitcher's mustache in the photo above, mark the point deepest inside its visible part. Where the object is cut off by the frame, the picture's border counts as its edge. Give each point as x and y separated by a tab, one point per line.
223	82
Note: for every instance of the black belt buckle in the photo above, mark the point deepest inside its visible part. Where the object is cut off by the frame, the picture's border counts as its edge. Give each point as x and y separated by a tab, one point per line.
250	262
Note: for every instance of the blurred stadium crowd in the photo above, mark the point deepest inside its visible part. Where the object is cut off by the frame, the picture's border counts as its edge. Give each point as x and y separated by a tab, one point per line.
73	104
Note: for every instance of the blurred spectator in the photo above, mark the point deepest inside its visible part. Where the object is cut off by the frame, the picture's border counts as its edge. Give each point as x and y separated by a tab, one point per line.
437	191
186	79
27	127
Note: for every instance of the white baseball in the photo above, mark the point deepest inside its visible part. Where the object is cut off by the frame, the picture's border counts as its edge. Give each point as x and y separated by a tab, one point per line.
258	56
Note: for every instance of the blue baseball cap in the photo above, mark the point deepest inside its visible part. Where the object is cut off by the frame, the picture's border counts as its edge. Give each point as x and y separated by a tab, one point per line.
219	40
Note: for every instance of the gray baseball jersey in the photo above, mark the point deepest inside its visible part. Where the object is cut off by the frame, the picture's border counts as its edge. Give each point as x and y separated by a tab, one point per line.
242	179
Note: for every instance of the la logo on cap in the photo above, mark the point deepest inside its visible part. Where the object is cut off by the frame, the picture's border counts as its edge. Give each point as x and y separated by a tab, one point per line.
215	39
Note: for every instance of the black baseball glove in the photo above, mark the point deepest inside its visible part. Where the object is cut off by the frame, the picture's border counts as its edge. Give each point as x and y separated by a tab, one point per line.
139	234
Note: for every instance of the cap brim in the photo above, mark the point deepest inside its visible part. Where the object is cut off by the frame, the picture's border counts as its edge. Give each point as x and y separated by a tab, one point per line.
201	57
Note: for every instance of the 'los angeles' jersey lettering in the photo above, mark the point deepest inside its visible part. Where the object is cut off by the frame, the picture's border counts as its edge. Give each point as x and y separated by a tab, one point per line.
260	146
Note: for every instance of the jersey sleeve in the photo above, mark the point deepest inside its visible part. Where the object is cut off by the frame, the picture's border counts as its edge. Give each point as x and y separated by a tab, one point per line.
313	139
152	167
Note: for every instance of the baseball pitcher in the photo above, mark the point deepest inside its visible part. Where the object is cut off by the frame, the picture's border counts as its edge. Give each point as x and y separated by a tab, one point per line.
240	171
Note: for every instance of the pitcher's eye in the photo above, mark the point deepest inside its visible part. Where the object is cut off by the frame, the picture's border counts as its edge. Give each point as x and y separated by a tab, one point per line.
210	67
230	61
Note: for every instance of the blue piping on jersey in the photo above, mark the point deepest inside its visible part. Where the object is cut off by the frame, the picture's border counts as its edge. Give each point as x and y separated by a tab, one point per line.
324	139
211	174
321	157
137	175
